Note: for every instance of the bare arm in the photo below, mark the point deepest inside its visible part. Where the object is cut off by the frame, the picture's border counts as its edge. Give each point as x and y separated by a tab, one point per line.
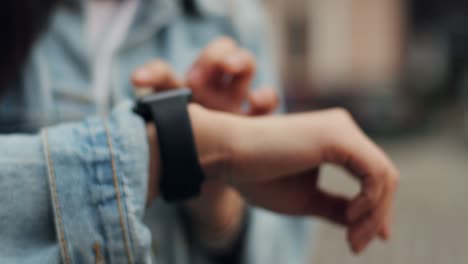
274	163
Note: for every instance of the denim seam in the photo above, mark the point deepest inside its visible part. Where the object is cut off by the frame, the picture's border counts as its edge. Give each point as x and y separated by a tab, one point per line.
44	82
55	200
98	257
118	195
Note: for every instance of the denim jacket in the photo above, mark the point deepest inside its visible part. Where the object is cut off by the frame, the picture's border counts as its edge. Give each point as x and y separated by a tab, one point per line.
73	185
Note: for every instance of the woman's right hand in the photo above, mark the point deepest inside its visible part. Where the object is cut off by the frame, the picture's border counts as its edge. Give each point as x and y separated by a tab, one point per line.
220	79
274	163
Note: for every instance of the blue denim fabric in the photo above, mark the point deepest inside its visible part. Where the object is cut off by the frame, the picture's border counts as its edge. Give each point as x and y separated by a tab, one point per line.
89	179
75	192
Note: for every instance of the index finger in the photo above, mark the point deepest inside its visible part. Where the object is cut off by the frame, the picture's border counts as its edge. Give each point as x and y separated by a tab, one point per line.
156	74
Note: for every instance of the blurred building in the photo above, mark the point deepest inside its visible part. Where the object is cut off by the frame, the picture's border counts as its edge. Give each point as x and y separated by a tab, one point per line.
330	47
382	59
391	60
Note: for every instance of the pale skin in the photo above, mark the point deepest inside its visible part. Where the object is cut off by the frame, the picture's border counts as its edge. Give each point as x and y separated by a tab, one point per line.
270	161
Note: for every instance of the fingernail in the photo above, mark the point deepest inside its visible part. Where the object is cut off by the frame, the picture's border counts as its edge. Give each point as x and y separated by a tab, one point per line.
387	233
235	62
258	96
194	76
354	248
143	91
142	74
357	209
264	96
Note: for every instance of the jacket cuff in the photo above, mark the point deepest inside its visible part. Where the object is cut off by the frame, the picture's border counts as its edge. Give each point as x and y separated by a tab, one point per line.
98	173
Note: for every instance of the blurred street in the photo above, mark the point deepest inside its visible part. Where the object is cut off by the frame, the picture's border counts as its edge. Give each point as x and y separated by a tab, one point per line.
432	203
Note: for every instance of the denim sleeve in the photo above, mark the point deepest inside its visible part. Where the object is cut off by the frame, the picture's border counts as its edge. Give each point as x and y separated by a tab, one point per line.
76	193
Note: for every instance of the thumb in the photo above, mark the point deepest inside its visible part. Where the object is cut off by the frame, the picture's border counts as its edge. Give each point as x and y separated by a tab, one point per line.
262	101
154	76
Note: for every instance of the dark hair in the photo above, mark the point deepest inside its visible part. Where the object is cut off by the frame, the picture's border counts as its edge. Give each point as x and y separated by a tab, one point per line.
190	8
22	21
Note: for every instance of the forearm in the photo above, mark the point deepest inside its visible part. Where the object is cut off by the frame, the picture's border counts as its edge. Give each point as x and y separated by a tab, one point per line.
274	162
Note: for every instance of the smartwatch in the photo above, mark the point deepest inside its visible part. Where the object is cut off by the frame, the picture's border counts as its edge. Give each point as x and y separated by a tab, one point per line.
181	174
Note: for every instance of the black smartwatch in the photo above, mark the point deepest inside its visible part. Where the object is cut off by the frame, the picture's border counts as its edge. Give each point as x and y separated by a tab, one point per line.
181	174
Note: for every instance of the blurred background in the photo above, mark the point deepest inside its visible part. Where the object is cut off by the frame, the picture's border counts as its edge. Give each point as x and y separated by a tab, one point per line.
401	68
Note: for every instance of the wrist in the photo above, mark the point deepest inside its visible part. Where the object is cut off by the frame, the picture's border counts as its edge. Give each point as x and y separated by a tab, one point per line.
154	161
216	138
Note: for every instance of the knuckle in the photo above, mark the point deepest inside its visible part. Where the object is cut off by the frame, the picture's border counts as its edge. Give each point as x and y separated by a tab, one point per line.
382	171
394	178
275	97
161	65
387	171
342	115
389	178
250	58
372	199
376	184
225	41
343	121
382	174
340	111
247	54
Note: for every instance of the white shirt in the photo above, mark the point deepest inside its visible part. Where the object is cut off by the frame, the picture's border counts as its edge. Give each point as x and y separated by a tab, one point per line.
107	25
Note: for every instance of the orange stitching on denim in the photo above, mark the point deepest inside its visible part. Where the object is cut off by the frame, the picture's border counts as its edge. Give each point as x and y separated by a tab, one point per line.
55	200
99	258
119	198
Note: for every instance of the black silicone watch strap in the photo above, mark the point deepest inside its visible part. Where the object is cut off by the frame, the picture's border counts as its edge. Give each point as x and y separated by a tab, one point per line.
181	173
